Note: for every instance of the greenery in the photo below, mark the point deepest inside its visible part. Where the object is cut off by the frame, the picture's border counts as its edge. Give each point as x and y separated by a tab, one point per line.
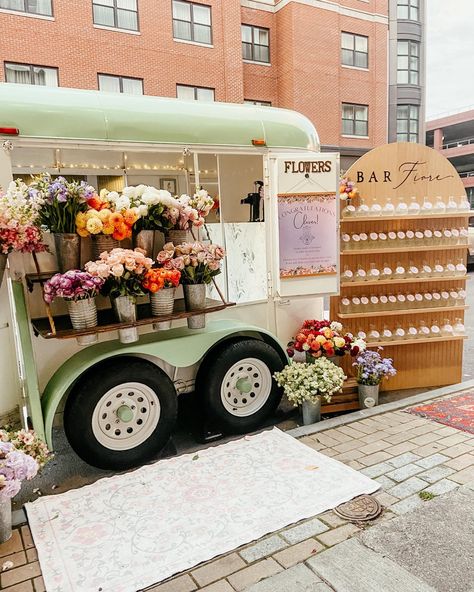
426	495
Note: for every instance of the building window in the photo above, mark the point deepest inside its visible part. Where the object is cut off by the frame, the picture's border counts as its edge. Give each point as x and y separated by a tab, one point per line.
408	123
118	14
408	66
408	10
41	7
29	74
255	44
194	93
121	84
259	103
355	120
355	50
192	22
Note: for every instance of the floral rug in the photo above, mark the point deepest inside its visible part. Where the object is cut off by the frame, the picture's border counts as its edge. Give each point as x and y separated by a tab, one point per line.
457	412
127	532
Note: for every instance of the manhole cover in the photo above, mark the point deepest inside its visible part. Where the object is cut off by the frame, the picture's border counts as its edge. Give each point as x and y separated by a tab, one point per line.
364	507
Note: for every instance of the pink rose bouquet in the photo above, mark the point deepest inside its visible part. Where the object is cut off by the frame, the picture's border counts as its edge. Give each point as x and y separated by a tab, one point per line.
72	285
189	211
197	262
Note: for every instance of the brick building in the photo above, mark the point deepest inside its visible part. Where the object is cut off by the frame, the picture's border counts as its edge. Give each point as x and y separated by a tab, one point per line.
327	59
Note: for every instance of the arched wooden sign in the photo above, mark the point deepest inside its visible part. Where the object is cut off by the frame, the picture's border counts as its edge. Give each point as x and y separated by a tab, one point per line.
405	170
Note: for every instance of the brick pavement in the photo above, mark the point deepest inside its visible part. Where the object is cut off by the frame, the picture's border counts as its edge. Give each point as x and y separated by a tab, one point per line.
404	453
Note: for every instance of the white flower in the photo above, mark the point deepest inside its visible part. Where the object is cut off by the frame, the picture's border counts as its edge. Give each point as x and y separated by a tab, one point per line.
130	192
142	211
122	203
335	326
140	190
150	197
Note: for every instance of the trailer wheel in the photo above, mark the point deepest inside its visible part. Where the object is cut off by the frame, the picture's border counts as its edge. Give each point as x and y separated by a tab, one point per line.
237	384
122	415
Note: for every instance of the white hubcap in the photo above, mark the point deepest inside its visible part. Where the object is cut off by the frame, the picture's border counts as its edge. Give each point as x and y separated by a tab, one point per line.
246	387
126	416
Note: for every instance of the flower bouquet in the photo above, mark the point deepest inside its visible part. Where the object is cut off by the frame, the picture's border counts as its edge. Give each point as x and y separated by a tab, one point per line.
318	339
58	202
162	283
79	289
18	224
198	264
22	454
306	384
189	212
123	271
371	369
347	189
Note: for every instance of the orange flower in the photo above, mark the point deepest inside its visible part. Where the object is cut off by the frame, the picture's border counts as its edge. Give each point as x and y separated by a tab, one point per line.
121	231
327	346
116	218
315	346
96	203
130	216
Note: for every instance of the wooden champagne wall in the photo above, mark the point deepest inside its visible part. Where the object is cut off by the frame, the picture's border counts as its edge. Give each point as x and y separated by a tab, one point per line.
400	172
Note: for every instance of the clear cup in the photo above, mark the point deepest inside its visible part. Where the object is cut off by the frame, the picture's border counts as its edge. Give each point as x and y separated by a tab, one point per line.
361	334
361	275
436	299
447	236
427	300
374	273
410	235
437	237
364	240
452	206
355	240
412	332
375	208
428	237
456	235
435	330
349	211
438	270
399	272
463	236
355	304
423	330
413	271
414	207
387	272
392	239
363	211
419	238
374	303
346	243
461	269
373	240
392	302
439	206
427	207
373	335
461	299
347	276
463	204
401	301
382	240
444	298
450	269
383	299
418	300
399	333
388	209
410	300
402	207
426	270
459	328
345	306
364	304
387	334
453	298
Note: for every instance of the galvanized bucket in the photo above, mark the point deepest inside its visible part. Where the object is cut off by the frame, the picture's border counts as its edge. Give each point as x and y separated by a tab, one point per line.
101	243
83	314
368	395
68	251
126	310
311	411
5	519
145	240
195	299
3	265
162	303
178	237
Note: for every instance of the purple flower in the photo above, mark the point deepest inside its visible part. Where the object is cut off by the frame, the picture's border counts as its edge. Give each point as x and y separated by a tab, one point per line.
9	489
23	465
72	285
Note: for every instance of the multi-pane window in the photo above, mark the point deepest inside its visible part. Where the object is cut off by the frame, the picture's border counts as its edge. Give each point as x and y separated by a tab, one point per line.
258	103
192	22
194	93
408	10
408	66
355	120
255	44
119	14
41	7
120	84
29	74
408	117
355	50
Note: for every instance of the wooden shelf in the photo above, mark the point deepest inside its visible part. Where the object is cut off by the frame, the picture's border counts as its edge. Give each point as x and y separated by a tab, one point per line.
413	341
408	217
404	249
107	321
392	313
453	278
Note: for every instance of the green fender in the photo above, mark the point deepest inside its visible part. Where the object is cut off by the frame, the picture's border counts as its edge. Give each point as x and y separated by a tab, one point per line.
178	347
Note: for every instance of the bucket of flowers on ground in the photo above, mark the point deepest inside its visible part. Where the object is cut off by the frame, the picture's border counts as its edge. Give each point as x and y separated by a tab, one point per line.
371	369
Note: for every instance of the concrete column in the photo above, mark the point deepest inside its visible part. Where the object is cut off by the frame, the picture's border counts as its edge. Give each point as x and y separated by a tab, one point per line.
438	139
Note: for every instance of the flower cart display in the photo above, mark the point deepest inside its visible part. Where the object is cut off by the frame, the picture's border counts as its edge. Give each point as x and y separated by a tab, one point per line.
371	370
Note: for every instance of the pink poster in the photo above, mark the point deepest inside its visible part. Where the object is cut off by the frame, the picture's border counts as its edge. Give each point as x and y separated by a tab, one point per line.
307	234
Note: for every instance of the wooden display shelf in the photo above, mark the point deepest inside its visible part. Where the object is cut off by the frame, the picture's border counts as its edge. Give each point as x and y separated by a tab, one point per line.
415	341
451	278
393	313
403	250
107	321
408	217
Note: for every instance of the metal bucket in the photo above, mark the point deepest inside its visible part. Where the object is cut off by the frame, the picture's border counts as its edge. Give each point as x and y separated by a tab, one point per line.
368	395
83	314
5	519
126	310
162	303
101	243
311	411
178	237
3	265
195	299
68	251
145	240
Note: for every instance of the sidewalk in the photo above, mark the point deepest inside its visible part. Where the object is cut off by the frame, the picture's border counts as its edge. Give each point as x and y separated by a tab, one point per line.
406	454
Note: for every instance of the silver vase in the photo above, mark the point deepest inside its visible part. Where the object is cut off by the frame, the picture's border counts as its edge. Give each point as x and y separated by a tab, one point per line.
368	395
178	237
311	411
145	240
83	314
126	311
195	299
162	303
101	243
5	519
3	265
68	250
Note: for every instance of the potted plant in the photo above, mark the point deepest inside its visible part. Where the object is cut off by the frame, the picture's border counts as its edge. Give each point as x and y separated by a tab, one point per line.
59	201
123	271
22	455
189	212
161	283
371	369
198	264
306	384
78	289
18	224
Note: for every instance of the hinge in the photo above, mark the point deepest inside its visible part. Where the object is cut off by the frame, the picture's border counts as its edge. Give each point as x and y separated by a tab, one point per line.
270	282
266	174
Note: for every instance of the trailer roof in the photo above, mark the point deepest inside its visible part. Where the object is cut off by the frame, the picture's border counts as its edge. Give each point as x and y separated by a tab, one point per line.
63	113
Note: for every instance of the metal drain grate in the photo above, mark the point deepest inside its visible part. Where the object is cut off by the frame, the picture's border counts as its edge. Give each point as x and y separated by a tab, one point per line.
360	509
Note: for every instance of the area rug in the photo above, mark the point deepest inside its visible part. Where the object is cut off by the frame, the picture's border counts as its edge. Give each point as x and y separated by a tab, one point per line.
127	532
457	412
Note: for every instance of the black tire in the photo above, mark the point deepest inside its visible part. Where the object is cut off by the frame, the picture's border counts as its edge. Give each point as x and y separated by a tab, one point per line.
89	391
211	376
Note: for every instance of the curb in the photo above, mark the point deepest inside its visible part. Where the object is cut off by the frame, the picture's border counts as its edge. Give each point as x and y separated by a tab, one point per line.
335	422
